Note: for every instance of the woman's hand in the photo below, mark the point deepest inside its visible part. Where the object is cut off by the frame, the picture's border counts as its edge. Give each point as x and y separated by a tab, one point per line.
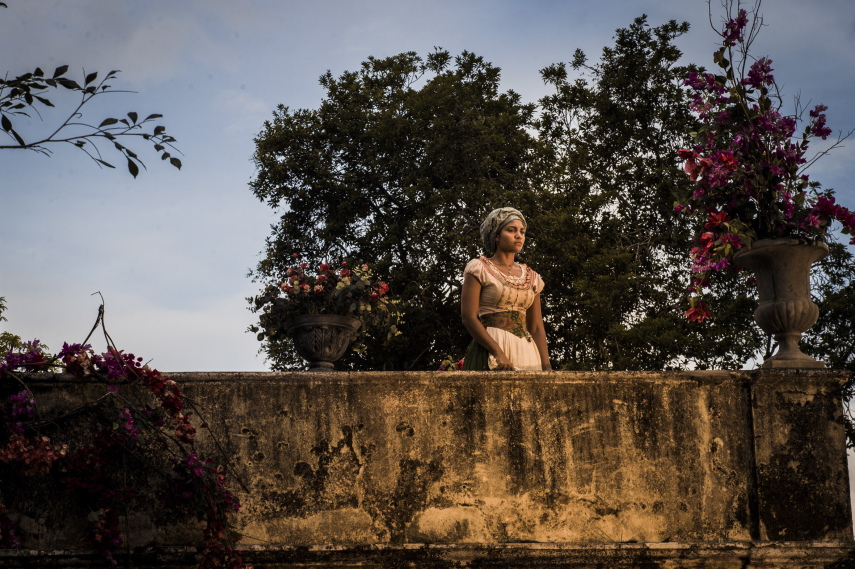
502	362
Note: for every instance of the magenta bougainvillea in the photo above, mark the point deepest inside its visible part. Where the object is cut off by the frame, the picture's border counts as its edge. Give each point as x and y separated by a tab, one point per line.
748	163
126	422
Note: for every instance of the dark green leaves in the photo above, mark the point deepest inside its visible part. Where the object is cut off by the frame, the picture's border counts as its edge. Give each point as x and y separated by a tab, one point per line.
21	96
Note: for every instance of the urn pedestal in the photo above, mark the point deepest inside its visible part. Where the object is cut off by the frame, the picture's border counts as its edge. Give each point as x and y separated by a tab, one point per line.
782	270
322	339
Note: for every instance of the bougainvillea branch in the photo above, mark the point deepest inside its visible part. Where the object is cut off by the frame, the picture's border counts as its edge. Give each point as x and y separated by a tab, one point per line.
748	164
140	409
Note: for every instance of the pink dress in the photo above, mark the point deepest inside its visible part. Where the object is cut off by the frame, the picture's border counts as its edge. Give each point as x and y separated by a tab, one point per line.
502	310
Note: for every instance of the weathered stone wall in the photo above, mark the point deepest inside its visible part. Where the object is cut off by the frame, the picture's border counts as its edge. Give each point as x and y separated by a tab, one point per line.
493	459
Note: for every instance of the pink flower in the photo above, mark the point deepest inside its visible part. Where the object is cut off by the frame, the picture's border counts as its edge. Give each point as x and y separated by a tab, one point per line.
812	220
716	219
698	313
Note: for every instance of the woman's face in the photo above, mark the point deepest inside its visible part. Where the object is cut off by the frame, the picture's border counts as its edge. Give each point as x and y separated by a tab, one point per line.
511	237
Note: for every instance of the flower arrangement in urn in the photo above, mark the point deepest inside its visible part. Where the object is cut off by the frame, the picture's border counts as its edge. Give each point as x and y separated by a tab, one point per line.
351	296
748	164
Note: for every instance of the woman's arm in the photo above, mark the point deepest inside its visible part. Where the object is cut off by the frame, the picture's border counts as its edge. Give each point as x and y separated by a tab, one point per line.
469	301
534	323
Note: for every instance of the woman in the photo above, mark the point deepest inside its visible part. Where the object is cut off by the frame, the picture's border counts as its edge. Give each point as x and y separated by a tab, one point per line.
500	305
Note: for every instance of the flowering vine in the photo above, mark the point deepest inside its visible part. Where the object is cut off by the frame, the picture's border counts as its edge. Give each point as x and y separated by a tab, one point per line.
140	409
449	364
748	165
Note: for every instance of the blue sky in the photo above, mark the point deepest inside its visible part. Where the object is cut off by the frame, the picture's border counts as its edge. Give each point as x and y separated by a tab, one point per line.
170	251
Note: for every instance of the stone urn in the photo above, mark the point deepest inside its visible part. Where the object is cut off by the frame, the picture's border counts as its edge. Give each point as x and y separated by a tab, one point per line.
782	270
322	339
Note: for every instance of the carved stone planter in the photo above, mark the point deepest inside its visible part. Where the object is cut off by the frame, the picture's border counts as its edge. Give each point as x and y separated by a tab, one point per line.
782	270
322	339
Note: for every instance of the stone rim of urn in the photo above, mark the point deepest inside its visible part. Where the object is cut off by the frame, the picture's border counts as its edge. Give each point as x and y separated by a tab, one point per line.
782	270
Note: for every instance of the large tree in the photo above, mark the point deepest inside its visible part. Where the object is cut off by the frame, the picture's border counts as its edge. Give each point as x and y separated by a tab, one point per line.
397	167
609	245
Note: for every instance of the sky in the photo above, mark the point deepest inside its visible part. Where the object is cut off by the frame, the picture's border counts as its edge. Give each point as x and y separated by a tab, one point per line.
170	251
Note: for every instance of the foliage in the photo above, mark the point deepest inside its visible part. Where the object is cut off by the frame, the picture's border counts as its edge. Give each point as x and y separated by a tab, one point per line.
747	167
28	95
397	166
8	341
138	423
333	290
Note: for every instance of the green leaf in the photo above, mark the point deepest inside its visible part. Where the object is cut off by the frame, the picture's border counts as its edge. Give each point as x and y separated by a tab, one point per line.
154	116
7	124
69	84
133	116
90	78
60	71
107	164
133	168
159	130
108	122
18	138
175	162
45	102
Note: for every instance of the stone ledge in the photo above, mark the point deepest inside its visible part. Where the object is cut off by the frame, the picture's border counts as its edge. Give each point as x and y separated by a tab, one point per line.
672	555
364	459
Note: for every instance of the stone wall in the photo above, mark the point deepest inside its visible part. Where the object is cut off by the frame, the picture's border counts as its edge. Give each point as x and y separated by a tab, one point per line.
527	463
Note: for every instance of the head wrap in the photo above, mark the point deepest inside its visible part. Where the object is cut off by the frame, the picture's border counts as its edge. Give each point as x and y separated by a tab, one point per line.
494	223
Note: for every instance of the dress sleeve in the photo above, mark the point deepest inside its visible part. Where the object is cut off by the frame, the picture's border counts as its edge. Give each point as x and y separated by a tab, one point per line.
477	269
537	283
